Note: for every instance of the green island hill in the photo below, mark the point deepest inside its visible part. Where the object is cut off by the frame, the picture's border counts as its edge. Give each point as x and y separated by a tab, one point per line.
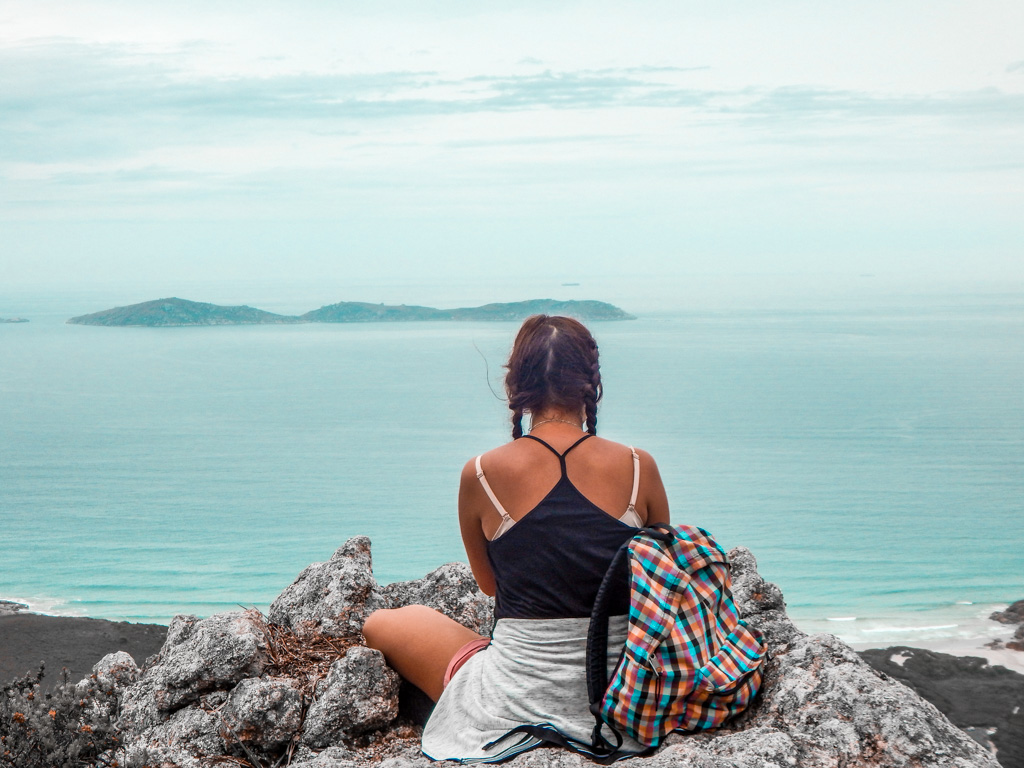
181	312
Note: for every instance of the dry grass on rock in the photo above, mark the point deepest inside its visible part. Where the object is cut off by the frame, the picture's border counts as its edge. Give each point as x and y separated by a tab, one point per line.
305	655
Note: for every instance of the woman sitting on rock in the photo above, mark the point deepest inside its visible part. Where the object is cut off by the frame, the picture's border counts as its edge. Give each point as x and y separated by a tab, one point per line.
541	518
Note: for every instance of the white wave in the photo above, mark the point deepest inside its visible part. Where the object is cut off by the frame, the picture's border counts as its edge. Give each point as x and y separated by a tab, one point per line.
912	629
840	618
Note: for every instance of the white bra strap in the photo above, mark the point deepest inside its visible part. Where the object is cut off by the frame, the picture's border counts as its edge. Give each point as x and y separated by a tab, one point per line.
636	480
489	492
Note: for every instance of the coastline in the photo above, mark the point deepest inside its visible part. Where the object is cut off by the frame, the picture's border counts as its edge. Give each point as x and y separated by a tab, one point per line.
28	637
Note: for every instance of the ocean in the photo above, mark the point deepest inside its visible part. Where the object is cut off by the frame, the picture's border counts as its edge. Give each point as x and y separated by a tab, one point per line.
866	445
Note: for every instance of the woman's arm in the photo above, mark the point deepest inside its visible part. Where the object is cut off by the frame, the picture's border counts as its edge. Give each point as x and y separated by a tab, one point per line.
652	490
471	500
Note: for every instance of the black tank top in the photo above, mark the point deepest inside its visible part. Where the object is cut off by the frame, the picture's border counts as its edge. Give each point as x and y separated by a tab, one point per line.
549	565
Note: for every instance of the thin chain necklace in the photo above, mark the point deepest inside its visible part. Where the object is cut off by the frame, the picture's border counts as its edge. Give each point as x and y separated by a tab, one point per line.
535	424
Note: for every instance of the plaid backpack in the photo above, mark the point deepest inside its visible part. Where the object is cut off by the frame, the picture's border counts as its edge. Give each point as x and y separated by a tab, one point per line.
689	663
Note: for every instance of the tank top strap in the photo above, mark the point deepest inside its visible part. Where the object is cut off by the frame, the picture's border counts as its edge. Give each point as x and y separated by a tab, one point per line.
561	456
544	443
564	453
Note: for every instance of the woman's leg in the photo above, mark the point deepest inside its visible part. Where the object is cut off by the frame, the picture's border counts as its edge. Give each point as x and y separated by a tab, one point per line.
418	643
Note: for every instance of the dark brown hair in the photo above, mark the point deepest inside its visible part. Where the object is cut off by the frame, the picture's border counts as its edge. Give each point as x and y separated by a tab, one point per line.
553	364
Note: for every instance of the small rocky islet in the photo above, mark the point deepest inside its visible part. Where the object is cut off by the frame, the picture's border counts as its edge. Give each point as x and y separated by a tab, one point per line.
298	685
175	312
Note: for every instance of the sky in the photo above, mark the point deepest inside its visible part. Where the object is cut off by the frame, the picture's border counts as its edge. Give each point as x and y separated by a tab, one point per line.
305	142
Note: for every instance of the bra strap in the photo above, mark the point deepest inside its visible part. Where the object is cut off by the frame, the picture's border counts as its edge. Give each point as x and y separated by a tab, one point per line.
636	480
490	494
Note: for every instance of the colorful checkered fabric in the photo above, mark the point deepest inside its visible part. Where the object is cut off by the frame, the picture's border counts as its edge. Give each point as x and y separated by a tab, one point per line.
690	662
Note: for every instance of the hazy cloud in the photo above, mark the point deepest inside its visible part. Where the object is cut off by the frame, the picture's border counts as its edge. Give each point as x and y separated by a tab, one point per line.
65	100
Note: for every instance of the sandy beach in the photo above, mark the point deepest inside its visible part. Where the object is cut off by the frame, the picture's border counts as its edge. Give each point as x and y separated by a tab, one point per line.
1003	657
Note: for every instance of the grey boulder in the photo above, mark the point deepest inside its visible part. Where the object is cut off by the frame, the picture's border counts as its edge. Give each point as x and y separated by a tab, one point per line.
185	740
203	655
263	712
116	670
336	596
359	694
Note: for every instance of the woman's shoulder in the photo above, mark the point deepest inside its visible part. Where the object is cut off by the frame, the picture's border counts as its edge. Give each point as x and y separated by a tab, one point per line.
615	448
506	454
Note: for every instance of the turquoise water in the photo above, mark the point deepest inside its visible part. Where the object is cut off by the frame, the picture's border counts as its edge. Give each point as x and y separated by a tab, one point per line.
871	453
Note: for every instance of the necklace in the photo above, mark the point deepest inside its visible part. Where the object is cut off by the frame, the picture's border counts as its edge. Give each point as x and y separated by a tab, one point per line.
535	424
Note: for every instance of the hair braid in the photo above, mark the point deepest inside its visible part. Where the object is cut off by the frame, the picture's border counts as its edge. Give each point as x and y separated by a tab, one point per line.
593	393
517	423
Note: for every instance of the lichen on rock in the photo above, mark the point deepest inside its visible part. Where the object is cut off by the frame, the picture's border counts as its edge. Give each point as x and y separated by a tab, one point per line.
336	596
359	694
264	713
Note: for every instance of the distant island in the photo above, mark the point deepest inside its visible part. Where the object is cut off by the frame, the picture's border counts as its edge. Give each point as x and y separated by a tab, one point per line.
178	312
13	320
181	312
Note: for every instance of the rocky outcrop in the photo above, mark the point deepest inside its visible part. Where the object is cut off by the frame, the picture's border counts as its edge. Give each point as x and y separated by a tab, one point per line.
1012	615
223	686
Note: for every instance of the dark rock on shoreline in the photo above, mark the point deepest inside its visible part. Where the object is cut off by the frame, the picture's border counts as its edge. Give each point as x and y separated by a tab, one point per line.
1012	615
986	701
9	607
26	639
1017	643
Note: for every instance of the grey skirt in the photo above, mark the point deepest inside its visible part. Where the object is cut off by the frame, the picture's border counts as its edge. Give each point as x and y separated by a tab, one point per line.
532	673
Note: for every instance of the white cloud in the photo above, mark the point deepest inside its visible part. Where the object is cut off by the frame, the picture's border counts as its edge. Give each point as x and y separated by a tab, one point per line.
663	118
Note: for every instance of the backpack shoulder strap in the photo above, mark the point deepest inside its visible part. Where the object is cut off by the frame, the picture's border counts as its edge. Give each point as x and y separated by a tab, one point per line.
615	578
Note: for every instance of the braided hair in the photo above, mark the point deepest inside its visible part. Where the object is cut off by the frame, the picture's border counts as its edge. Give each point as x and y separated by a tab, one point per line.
554	363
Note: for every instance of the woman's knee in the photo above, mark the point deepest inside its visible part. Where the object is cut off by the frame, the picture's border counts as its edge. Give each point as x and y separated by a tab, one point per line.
378	626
